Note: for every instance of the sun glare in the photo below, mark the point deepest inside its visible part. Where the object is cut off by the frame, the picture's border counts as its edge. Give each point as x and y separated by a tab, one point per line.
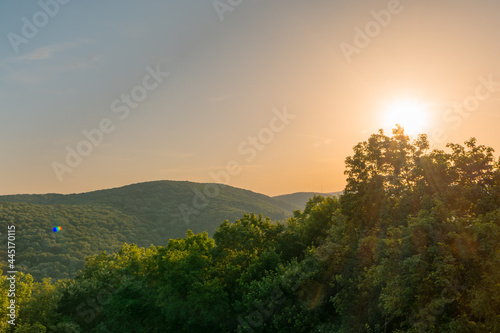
410	114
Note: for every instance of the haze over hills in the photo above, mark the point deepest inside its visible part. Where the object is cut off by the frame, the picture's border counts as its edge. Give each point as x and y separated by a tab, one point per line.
299	199
144	214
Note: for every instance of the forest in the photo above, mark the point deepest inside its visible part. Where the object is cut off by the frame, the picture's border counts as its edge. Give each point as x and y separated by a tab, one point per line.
142	214
410	246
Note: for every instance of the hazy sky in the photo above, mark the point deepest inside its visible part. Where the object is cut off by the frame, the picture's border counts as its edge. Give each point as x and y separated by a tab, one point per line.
276	92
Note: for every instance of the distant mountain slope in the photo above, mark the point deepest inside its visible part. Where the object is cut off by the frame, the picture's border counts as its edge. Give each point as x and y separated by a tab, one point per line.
299	199
85	230
171	207
144	213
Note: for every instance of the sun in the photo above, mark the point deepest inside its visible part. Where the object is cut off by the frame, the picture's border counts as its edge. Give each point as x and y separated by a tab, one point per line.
410	114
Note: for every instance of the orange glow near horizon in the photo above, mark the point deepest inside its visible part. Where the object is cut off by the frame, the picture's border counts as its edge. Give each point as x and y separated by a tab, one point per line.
431	68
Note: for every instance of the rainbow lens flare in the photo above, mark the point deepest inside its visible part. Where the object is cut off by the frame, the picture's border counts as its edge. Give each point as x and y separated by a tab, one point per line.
56	229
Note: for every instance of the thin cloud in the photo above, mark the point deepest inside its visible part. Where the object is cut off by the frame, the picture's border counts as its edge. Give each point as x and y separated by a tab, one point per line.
38	54
83	63
18	70
49	51
319	140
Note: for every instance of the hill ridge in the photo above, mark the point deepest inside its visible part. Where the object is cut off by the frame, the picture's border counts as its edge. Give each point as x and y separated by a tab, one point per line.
148	213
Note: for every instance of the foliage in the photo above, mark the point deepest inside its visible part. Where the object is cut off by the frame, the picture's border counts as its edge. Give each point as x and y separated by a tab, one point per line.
411	246
143	214
47	254
169	208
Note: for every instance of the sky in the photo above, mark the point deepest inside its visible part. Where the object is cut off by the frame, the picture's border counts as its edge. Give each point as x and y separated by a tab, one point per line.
269	96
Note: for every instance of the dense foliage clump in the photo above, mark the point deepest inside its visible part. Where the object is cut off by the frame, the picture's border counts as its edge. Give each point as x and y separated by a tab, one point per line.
411	246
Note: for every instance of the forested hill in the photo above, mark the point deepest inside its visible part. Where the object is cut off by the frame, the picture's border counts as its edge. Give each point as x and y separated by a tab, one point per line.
299	199
171	207
144	214
85	230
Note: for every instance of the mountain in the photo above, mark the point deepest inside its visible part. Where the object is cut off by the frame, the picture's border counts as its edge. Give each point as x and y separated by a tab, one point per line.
299	199
144	214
